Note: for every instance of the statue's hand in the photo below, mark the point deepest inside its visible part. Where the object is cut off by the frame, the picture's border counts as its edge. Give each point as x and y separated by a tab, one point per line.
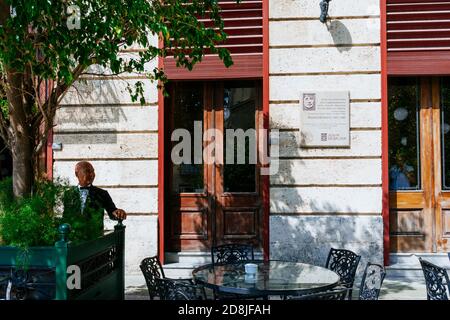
120	214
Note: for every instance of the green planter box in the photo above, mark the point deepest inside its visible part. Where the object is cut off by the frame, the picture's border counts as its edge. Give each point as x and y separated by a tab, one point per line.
100	261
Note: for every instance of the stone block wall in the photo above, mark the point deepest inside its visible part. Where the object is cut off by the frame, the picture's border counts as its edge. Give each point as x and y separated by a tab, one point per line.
326	197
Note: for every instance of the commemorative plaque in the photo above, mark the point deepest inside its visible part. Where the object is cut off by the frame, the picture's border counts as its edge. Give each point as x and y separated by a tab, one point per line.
325	119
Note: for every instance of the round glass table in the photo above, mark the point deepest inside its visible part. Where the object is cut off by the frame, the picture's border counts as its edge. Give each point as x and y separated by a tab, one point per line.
272	278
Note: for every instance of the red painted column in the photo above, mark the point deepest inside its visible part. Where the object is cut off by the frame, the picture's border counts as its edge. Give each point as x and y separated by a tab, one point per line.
266	97
48	85
161	167
384	133
49	156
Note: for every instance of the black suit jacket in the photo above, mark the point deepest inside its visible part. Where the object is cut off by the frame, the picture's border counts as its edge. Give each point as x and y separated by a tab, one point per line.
97	199
87	224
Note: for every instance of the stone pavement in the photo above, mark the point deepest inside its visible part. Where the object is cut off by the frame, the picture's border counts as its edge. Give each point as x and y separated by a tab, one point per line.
135	288
403	289
393	288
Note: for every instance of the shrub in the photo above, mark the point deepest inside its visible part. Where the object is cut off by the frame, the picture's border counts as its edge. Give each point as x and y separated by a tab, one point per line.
34	220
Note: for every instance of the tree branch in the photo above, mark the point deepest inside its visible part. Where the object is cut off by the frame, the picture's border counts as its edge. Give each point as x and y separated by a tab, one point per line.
50	106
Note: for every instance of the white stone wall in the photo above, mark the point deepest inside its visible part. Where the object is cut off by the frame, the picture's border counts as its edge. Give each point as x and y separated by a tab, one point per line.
99	122
329	197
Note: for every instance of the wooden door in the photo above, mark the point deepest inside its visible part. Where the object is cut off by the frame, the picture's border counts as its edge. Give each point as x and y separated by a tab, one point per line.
238	213
188	206
211	202
419	198
441	142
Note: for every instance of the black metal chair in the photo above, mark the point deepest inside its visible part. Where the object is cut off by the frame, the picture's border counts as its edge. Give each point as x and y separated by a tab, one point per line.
336	294
31	284
371	282
344	263
229	253
171	289
436	280
152	269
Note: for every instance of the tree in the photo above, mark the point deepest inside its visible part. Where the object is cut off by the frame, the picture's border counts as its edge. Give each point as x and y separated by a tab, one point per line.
58	41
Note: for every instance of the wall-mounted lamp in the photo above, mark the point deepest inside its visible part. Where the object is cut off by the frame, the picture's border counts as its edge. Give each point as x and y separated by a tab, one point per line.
324	4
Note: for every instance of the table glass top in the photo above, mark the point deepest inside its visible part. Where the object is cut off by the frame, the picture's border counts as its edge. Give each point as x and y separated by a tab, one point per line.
271	276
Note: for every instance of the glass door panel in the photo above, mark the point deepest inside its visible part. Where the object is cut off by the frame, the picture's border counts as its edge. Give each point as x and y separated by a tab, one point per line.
404	150
240	139
187	172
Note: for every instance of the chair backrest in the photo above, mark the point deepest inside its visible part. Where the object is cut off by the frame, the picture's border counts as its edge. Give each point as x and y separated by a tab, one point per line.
337	294
152	269
229	253
344	263
436	280
172	289
371	282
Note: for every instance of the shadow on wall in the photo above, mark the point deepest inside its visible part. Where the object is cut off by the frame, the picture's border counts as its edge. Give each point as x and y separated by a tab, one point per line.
309	237
90	117
91	107
341	36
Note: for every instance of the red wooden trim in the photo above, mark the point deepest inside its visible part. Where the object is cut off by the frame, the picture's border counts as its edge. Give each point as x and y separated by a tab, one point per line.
49	156
265	179
384	134
48	85
419	63
161	167
212	68
417	26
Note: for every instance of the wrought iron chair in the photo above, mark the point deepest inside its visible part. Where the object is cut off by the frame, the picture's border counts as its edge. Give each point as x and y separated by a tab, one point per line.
229	253
152	269
371	282
337	294
436	280
344	263
171	289
33	284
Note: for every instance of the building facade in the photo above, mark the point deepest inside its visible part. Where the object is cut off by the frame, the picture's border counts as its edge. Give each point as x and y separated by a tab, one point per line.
383	192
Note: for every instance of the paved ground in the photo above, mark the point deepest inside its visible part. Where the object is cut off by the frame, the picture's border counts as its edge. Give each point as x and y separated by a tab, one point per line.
135	288
403	289
393	289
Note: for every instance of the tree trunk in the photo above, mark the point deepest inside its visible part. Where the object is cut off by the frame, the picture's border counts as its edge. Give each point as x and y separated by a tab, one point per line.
23	174
20	134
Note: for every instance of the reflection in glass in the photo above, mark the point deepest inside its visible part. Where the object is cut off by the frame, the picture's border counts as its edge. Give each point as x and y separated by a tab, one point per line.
239	113
188	108
445	129
404	161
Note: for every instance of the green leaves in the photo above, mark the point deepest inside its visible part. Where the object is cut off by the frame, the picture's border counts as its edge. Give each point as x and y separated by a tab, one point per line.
46	36
29	221
48	45
34	220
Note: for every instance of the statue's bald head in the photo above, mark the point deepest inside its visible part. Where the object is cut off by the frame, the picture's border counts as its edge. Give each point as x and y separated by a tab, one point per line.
85	173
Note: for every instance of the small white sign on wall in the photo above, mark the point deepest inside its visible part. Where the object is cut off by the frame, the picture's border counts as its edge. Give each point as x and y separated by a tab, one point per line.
325	119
